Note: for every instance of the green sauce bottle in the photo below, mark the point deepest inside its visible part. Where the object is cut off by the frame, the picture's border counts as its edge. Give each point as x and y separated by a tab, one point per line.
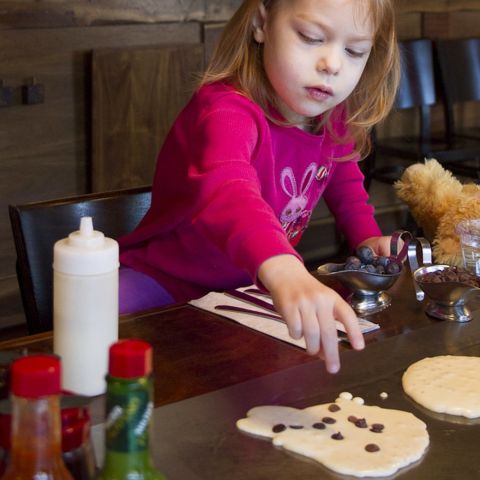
129	410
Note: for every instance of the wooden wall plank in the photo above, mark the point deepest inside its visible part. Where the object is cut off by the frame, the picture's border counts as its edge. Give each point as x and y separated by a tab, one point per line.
54	13
452	25
405	6
137	93
211	34
51	13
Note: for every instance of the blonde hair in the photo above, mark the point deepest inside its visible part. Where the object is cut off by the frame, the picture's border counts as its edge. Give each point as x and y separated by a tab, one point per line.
237	59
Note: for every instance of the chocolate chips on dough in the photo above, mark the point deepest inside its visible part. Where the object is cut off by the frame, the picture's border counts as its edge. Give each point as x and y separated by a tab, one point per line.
346	436
445	384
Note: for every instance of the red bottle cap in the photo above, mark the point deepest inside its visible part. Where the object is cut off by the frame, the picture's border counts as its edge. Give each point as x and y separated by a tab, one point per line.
130	359
75	428
35	376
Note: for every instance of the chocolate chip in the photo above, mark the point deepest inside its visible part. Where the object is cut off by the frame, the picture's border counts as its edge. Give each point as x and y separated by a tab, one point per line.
450	274
296	427
372	447
352	418
361	423
319	426
337	436
377	427
334	407
328	420
279	427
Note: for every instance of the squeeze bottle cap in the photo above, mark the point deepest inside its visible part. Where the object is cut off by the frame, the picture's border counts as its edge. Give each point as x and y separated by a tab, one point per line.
130	358
36	376
85	252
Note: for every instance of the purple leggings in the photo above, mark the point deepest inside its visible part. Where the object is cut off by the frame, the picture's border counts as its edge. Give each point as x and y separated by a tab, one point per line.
138	291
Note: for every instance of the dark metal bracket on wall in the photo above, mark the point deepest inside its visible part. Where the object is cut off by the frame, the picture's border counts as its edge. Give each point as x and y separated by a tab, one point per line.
29	93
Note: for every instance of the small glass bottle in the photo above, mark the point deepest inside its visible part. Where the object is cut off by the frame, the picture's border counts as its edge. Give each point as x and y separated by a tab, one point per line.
77	448
5	421
129	410
36	433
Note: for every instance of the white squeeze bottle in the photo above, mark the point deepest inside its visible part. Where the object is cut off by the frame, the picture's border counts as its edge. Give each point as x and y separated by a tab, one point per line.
85	307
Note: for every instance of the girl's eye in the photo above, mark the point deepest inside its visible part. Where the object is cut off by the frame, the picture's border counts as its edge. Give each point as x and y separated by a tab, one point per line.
355	53
308	39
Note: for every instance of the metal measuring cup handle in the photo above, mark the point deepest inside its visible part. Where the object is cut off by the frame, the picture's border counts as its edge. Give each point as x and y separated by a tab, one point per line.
398	235
414	263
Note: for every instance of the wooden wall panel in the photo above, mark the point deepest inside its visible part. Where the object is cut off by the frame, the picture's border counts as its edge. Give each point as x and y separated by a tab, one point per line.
211	34
452	25
137	93
52	13
405	6
44	149
409	25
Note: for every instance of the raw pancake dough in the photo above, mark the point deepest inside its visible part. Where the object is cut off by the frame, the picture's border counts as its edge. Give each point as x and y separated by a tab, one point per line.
445	384
400	436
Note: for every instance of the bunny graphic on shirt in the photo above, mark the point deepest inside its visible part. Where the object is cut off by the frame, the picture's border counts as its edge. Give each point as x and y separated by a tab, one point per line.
294	217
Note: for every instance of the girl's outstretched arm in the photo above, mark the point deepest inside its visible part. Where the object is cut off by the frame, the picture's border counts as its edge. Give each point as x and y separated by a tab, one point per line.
309	308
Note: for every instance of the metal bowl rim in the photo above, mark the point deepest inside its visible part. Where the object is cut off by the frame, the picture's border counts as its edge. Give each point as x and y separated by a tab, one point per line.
363	272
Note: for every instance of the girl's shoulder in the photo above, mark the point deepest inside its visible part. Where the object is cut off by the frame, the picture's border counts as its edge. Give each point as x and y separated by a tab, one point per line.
224	96
338	138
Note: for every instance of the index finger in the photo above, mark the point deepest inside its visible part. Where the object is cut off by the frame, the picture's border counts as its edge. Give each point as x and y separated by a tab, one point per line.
345	314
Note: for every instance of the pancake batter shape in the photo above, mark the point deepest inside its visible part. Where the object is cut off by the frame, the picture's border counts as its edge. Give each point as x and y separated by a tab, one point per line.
346	436
445	384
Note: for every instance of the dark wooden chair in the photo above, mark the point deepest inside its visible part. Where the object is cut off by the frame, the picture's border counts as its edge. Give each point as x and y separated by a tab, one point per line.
459	66
37	226
418	90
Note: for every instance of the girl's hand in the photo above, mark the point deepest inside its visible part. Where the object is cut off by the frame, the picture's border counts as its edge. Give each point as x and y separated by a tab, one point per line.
379	245
309	308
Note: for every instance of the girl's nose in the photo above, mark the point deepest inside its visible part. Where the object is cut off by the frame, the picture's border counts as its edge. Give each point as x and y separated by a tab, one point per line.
330	60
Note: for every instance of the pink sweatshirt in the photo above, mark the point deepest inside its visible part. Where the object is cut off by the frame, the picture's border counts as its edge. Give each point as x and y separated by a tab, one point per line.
232	189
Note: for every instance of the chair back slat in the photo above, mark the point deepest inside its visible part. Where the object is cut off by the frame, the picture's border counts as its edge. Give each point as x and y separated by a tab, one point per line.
417	79
459	62
37	226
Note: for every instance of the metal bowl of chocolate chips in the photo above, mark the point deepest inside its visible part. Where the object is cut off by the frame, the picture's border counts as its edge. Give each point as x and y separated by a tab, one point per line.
448	289
367	276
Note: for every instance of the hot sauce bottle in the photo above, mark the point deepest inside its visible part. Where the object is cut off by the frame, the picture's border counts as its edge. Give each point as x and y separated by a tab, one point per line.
129	410
36	433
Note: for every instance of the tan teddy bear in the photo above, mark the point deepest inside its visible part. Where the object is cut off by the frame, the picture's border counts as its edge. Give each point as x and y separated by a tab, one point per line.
438	201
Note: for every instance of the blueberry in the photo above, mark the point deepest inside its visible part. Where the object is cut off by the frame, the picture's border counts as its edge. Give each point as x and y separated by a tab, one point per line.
352	263
380	269
370	269
383	261
351	266
365	254
393	267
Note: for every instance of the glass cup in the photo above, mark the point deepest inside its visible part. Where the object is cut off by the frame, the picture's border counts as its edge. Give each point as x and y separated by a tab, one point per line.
469	233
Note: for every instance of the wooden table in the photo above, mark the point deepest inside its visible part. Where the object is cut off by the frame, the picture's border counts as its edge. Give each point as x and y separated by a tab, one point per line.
196	352
210	370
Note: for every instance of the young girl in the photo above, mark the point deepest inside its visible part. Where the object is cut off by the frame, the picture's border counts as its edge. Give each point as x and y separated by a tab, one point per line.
281	118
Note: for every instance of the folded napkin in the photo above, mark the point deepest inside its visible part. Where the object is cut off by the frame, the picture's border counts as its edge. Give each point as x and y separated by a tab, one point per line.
268	326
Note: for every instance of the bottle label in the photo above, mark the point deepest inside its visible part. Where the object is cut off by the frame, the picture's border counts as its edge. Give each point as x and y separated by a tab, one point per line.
128	420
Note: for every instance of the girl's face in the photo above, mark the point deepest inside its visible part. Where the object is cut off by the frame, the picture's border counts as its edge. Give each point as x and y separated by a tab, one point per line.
314	53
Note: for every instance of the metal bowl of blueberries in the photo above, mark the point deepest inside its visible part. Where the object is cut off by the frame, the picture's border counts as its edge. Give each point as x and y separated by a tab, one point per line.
367	276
